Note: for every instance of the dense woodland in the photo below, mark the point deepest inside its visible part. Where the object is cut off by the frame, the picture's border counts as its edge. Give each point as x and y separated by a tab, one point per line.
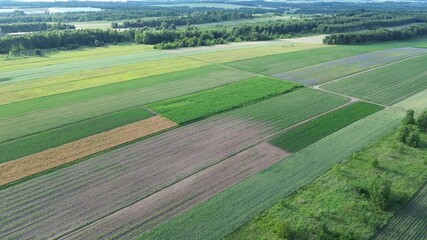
33	27
193	18
378	35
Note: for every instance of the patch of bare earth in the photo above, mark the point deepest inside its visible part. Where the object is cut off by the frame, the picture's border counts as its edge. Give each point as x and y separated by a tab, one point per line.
39	162
67	199
170	202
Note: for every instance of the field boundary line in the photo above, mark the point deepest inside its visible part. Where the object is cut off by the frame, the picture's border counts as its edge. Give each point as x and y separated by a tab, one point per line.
318	86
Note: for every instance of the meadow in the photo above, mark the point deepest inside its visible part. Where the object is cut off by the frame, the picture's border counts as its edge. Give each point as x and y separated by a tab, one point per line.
202	104
302	136
387	85
336	205
246	200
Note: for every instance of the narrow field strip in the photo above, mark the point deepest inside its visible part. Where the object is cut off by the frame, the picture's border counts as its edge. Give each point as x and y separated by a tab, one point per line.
325	72
61	201
311	132
386	85
57	69
38	142
25	90
202	74
410	222
146	91
172	201
416	102
86	53
242	202
45	160
198	105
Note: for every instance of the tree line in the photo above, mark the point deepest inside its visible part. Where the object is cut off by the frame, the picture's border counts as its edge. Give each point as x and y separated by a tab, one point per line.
33	27
62	39
378	35
193	18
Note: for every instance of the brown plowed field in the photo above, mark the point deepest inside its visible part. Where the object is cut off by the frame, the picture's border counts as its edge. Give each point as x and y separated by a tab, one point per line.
60	201
161	206
39	162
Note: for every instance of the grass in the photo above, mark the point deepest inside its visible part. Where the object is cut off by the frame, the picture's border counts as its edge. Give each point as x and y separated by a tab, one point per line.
244	201
416	102
79	106
92	78
337	205
48	139
202	104
286	110
311	132
386	85
289	61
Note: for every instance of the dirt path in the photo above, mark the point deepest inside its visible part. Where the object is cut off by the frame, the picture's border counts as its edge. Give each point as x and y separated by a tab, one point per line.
170	202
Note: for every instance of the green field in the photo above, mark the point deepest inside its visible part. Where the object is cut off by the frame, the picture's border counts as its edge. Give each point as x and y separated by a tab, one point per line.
386	85
311	132
278	63
336	206
249	198
49	139
143	91
286	110
416	102
198	105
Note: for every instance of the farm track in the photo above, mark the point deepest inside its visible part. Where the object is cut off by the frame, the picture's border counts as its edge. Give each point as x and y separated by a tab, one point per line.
410	222
152	211
62	200
53	157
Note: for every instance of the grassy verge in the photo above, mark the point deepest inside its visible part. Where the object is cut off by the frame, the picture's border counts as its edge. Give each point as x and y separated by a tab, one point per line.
227	211
311	132
202	104
48	139
337	205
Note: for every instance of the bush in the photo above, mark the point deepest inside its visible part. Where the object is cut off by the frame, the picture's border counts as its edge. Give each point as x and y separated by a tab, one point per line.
422	121
380	192
37	52
409	118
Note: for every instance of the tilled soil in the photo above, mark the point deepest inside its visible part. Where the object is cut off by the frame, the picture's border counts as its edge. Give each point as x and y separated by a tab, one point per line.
39	162
161	206
58	202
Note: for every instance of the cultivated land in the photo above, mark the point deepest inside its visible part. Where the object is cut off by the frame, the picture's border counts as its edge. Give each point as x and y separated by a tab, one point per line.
84	147
92	110
325	72
416	102
183	195
337	205
386	85
249	198
134	173
410	222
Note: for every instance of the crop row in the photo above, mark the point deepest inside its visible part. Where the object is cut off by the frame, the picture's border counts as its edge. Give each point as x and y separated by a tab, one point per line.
311	132
325	72
109	99
142	168
386	85
247	199
202	104
48	139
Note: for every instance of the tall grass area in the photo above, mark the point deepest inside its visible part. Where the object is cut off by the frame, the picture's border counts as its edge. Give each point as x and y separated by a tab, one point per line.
339	204
311	132
202	104
227	211
48	139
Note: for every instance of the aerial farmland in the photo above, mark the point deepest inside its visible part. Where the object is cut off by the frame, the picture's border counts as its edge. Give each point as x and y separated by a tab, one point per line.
250	120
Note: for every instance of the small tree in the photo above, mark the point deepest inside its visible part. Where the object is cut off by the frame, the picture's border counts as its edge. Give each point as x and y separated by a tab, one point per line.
413	139
422	121
37	52
380	192
409	118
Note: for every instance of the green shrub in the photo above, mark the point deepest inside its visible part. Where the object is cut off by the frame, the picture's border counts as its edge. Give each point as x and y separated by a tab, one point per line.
422	121
380	192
